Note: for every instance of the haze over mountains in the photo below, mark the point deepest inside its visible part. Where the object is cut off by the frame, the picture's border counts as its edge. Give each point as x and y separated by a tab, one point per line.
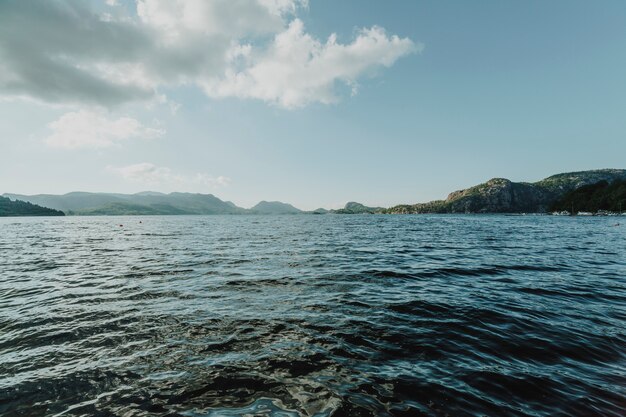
84	203
275	207
148	203
154	203
497	195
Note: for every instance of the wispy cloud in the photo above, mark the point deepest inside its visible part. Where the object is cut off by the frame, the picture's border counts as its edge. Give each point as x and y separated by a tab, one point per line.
69	52
90	129
153	175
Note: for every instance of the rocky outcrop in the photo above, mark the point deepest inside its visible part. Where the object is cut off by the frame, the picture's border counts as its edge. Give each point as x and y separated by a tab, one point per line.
500	195
358	208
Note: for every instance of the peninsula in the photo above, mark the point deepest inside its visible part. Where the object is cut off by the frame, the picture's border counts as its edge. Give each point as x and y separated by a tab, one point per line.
9	208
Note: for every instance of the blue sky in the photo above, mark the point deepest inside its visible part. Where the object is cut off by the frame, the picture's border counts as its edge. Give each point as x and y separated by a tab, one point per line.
412	100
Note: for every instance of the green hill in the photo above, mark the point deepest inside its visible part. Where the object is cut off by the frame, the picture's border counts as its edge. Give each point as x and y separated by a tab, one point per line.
274	207
127	209
22	208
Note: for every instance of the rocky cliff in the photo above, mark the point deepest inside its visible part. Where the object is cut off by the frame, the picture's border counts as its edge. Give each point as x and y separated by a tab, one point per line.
500	195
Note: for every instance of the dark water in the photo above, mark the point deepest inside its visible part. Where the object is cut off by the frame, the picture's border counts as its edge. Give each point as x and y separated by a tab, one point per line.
313	316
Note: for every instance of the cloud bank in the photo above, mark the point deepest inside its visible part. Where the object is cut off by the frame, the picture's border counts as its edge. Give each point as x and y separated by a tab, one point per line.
77	52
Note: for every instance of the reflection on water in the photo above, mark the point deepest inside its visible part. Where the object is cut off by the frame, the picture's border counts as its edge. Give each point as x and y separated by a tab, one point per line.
312	316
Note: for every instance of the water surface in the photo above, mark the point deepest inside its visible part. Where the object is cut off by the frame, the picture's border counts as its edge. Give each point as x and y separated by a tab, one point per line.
313	316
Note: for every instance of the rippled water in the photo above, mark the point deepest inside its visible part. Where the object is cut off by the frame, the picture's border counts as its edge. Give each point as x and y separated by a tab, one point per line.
313	316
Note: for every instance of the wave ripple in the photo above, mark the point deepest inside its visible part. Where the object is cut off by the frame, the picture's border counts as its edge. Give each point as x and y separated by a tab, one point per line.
312	316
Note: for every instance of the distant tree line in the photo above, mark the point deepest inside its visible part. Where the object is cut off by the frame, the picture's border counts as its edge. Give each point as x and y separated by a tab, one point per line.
594	197
22	208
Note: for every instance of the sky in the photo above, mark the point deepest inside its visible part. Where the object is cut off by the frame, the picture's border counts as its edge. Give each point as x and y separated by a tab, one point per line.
315	103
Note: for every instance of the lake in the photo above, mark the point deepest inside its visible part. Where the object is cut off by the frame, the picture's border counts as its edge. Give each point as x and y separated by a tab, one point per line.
428	315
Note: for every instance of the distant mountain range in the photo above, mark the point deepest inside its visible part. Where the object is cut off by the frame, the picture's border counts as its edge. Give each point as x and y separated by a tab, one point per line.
151	203
497	195
145	203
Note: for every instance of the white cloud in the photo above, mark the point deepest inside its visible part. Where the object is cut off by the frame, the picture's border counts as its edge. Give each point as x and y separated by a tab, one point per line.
297	69
150	174
67	51
177	19
89	129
